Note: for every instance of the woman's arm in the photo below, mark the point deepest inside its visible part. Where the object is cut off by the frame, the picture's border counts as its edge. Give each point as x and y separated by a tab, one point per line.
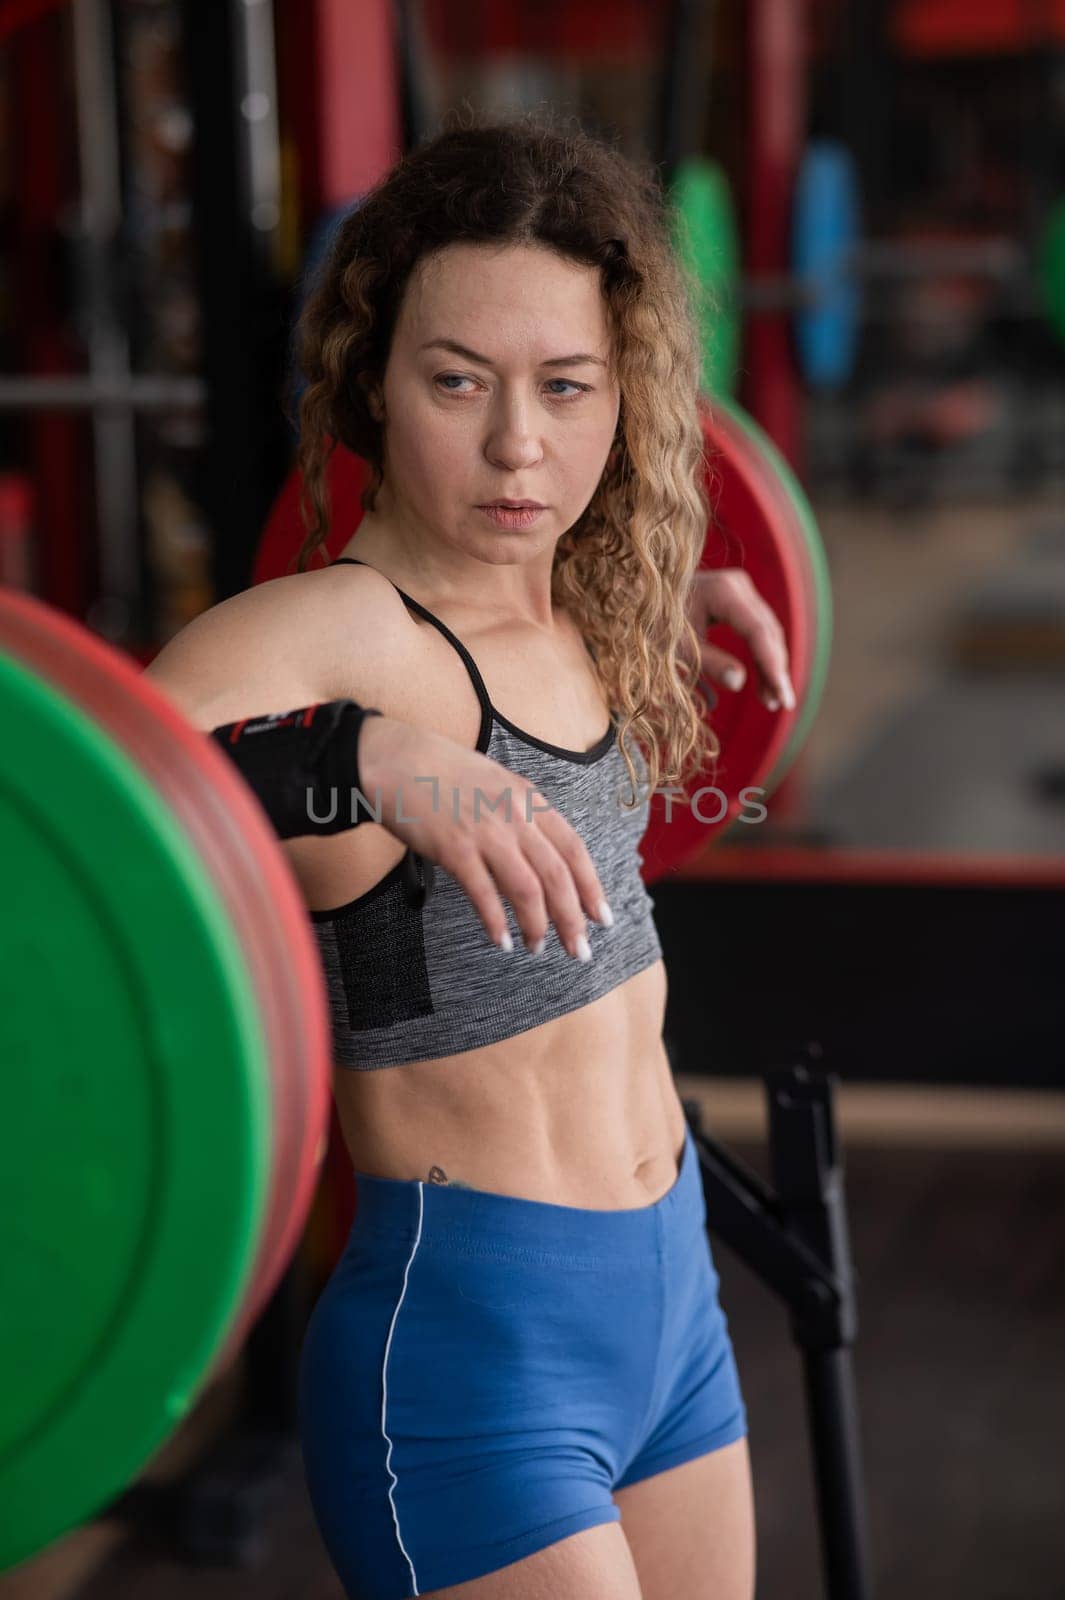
277	646
261	651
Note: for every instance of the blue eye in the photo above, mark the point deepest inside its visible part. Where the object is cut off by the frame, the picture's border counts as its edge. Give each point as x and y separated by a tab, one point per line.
446	378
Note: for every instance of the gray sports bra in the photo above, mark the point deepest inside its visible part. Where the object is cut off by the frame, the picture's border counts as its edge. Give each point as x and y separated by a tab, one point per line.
411	972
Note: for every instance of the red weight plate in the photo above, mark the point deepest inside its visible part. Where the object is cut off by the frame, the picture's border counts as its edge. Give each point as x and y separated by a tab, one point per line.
796	516
346	477
754	527
232	835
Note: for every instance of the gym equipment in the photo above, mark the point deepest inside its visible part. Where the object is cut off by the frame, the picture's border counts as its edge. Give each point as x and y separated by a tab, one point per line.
706	239
232	183
826	223
794	511
831	264
142	392
763	523
774	64
166	1041
346	476
794	1237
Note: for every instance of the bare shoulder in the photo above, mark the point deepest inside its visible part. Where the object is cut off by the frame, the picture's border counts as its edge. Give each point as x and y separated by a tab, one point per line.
330	633
369	638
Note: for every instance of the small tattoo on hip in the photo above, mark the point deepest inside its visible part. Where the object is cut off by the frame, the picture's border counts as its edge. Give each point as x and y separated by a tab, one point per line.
438	1175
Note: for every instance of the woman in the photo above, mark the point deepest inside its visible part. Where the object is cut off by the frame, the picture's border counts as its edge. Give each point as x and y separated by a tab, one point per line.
518	1380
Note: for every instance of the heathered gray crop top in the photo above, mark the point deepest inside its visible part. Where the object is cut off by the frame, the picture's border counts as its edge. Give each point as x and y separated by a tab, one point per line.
411	972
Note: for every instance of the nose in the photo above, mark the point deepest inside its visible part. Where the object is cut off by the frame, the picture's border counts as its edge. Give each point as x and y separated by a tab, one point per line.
511	441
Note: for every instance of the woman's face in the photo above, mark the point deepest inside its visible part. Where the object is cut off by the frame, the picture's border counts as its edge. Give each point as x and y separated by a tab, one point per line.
525	411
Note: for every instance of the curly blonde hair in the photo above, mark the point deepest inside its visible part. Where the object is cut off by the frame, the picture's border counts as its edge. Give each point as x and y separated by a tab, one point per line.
624	570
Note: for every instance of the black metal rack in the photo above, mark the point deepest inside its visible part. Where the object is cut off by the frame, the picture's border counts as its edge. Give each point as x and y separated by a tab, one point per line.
794	1237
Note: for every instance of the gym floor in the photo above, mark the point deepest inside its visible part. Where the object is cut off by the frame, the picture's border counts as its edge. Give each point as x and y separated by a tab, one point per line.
897	581
946	675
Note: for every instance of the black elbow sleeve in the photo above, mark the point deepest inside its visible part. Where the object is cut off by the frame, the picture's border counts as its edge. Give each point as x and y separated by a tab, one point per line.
303	766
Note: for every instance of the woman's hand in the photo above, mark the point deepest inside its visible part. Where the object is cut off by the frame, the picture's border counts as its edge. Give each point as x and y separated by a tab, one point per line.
728	595
438	797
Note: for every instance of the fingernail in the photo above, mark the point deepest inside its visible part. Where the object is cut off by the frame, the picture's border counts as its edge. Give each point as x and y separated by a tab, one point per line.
582	949
773	704
604	915
789	694
506	942
537	949
735	678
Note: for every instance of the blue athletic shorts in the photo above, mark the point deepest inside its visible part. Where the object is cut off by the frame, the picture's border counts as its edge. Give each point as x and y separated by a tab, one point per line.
481	1371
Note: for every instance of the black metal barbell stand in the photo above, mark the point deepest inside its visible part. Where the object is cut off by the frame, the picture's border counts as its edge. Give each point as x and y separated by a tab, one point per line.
794	1238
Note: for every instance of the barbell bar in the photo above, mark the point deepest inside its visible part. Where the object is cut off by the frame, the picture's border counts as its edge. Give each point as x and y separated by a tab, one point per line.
147	392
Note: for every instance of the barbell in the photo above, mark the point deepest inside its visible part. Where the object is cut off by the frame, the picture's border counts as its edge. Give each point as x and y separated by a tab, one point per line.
831	266
165	1040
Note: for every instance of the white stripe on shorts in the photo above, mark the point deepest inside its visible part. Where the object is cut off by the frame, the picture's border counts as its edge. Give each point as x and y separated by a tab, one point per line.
384	1394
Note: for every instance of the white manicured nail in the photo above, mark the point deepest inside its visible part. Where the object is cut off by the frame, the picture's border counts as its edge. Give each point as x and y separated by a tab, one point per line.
789	694
583	949
604	915
506	942
735	678
538	948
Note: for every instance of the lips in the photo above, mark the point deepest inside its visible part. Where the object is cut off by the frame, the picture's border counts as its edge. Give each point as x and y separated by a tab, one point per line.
514	505
523	516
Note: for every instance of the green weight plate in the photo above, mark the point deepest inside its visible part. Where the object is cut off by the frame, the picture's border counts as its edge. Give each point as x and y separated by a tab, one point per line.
137	1123
797	513
1052	269
706	238
238	849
